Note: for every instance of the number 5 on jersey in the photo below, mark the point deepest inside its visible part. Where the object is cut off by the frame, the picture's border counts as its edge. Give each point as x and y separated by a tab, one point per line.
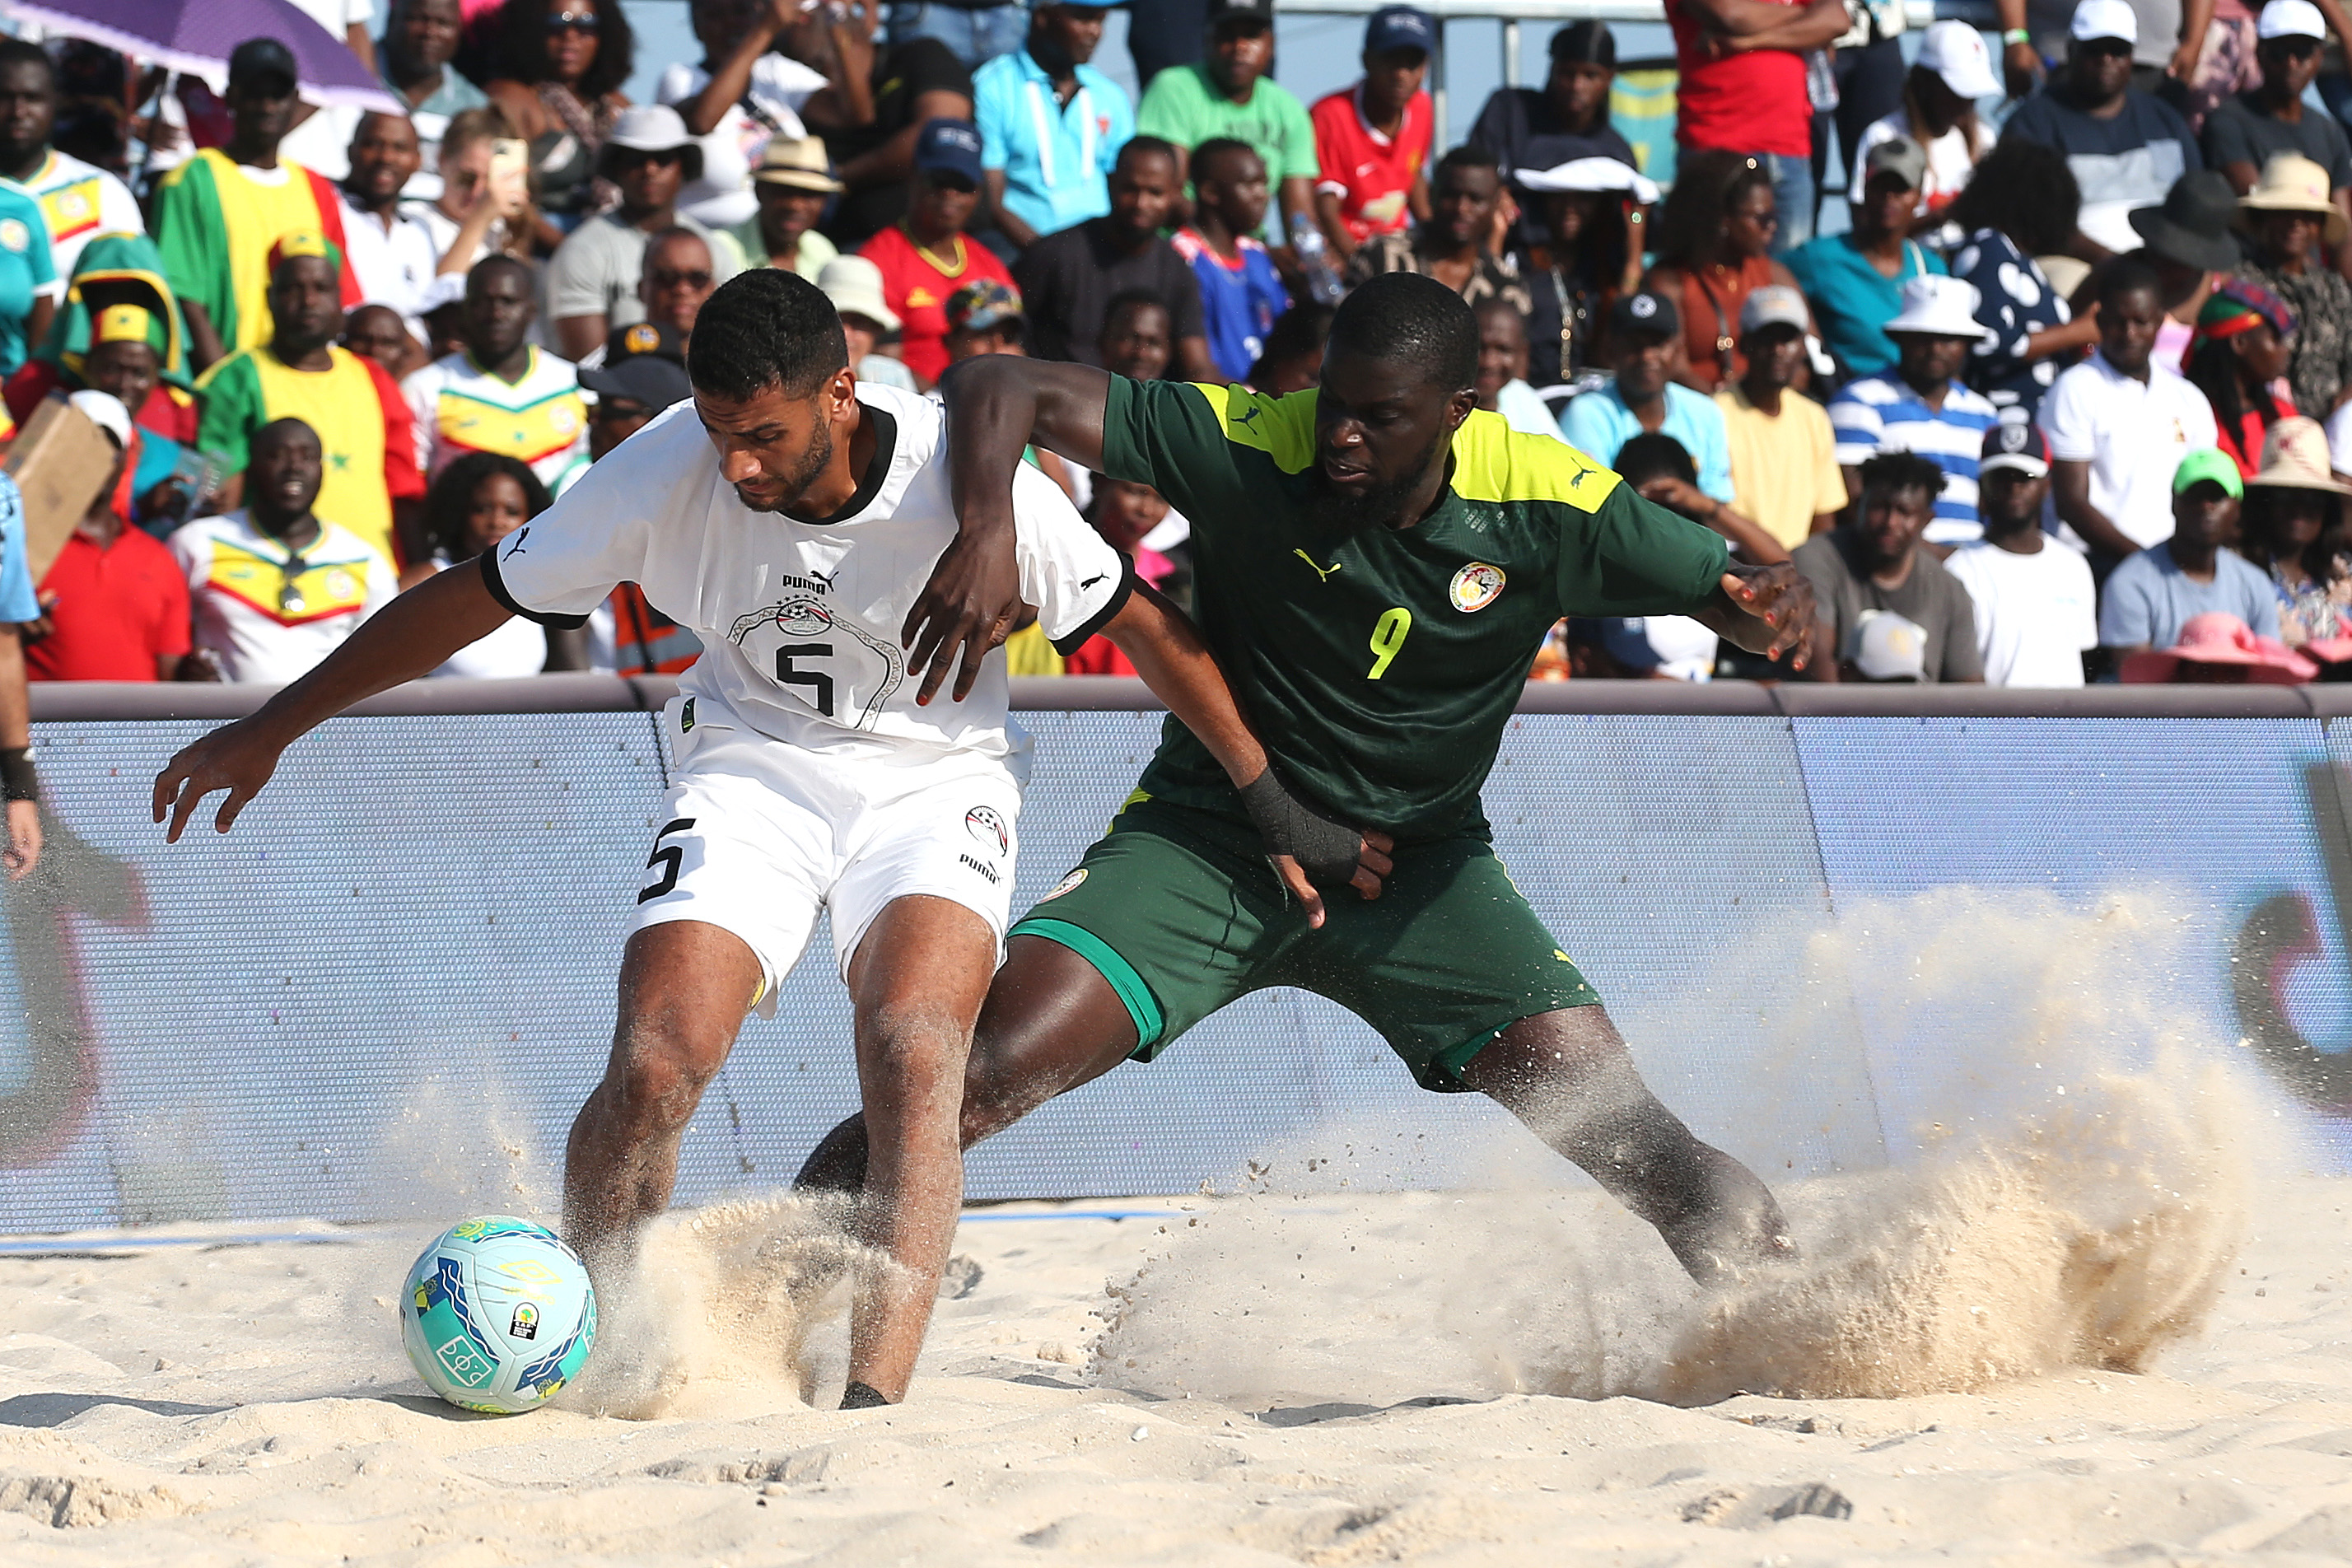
1388	637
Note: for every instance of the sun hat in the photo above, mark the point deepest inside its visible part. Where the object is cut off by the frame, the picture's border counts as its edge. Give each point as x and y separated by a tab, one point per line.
2291	182
1888	647
2192	226
652	128
799	162
2209	463
263	56
2015	444
1938	307
2219	637
2294	457
1956	51
1772	305
2105	19
297	242
105	411
123	324
2291	19
1590	175
855	286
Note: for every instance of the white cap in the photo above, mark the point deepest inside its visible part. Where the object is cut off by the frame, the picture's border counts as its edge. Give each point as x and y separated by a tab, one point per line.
2291	19
1956	51
1939	307
2105	19
854	284
1591	175
105	411
1888	647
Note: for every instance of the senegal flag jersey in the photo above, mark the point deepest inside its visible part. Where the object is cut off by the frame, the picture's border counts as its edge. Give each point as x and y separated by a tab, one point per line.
1379	667
215	220
355	406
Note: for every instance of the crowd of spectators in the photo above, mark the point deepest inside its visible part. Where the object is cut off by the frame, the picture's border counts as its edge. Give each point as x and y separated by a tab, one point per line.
2068	381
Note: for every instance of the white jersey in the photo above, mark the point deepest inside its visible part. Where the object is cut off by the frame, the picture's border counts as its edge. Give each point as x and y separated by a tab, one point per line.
800	621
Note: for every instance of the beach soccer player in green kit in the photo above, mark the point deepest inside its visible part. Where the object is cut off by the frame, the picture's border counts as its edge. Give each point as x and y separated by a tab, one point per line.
1376	564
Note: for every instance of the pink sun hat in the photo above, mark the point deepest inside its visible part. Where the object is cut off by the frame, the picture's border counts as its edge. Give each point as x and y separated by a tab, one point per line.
2215	638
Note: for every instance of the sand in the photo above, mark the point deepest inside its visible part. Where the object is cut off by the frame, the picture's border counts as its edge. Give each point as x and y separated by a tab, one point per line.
247	1403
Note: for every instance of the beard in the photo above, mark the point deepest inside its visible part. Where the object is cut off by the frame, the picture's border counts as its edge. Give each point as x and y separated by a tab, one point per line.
814	460
1330	509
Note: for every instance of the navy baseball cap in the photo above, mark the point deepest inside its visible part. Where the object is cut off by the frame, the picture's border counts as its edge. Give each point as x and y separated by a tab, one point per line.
1399	28
1645	312
2015	444
643	364
951	146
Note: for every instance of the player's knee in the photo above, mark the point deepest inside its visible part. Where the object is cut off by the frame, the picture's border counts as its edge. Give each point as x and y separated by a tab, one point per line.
660	1071
915	1041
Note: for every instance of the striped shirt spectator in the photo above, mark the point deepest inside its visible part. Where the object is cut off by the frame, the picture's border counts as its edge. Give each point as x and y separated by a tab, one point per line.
1920	407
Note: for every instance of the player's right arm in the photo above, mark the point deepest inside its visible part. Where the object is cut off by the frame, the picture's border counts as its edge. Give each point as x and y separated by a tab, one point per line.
408	639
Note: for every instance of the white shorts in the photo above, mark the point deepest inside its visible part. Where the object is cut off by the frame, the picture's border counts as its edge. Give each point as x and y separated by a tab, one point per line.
757	836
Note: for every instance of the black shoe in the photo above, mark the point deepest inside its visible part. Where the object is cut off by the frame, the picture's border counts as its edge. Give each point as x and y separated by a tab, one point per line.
861	1396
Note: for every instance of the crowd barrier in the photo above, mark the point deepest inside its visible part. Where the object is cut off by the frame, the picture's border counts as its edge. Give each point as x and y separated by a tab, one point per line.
388	990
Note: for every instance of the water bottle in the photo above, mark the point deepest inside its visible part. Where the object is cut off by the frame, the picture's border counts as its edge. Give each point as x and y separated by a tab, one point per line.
1323	285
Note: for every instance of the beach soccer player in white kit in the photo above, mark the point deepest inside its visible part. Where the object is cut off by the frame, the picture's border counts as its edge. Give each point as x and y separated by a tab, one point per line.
791	515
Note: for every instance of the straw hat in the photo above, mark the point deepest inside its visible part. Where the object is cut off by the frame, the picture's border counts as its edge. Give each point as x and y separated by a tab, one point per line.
2294	457
2215	638
2294	184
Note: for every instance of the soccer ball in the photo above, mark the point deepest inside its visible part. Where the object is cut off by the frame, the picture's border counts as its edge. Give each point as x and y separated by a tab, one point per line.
497	1314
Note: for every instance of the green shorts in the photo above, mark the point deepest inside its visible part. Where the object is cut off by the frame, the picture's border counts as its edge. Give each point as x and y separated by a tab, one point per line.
1180	911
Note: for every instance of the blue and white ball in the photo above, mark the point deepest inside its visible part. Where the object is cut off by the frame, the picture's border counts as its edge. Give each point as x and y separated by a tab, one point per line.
497	1315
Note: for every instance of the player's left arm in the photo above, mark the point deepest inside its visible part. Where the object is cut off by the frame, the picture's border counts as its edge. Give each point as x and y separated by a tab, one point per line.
1305	847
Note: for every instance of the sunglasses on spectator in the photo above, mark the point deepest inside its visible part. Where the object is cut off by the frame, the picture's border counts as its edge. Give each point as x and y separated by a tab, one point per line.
2297	48
942	180
2107	46
572	21
638	157
664	277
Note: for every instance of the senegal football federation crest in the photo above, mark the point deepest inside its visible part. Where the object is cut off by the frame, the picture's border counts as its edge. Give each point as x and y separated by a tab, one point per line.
1475	586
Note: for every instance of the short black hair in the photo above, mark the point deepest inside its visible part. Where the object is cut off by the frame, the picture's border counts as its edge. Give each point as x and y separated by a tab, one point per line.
452	496
1654	454
1217	147
2128	274
1466	156
1585	43
1413	319
501	258
1896	471
1135	300
766	328
18	52
1140	146
280	430
1300	331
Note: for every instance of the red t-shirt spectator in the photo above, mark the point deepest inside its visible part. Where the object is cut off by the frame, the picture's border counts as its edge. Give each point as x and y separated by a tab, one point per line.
1371	173
120	611
1749	102
917	287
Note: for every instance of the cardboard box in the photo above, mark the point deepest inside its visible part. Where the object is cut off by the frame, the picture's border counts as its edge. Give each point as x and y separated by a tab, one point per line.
60	462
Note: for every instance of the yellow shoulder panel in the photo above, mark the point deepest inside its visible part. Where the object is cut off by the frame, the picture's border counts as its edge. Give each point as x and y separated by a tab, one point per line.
1493	462
1281	427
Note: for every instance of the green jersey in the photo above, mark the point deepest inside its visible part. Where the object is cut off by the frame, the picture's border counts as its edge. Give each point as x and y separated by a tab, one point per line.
1381	667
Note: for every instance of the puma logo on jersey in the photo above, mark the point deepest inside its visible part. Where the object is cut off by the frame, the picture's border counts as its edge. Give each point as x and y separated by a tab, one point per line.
1092	581
1322	573
514	546
1250	416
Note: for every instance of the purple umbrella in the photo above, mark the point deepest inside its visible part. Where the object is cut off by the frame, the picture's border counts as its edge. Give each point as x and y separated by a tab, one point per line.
197	36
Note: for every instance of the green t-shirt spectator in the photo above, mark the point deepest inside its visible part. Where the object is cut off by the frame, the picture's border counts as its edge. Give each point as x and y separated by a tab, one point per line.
1185	105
